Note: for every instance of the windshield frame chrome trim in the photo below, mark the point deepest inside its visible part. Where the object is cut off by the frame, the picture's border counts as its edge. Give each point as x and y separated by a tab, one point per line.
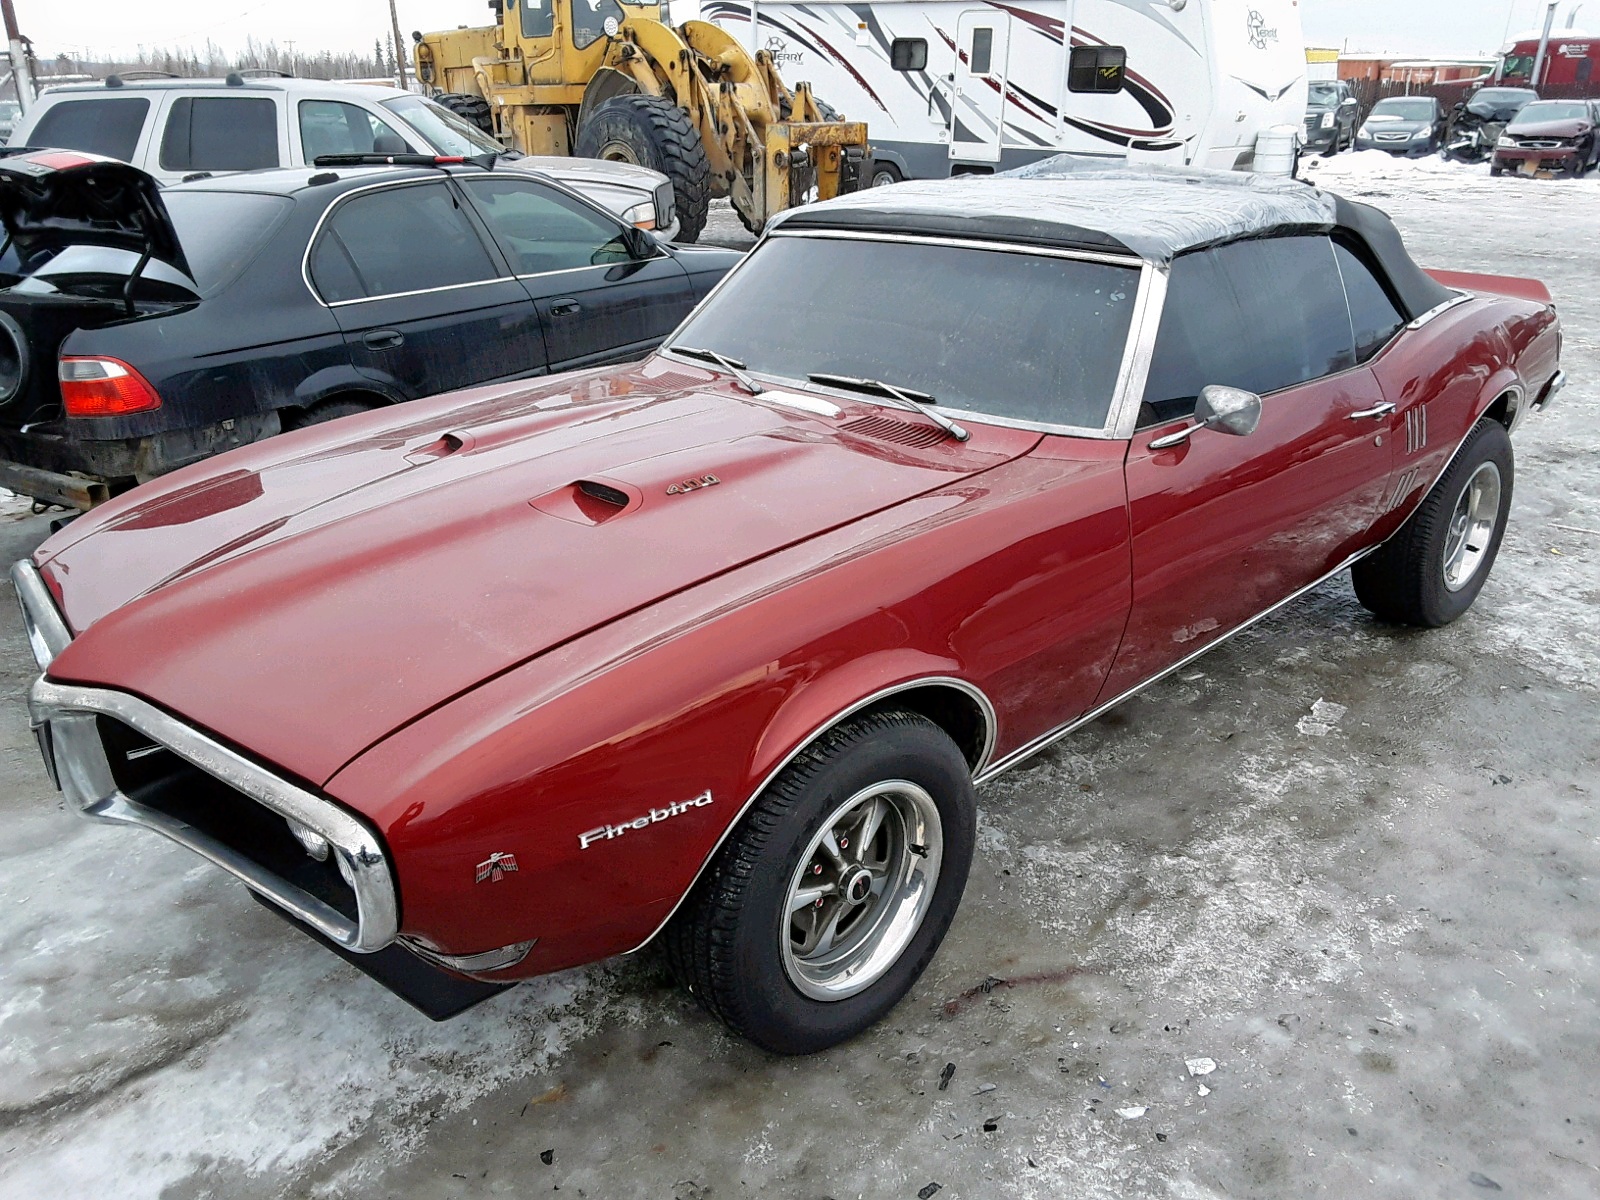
1127	391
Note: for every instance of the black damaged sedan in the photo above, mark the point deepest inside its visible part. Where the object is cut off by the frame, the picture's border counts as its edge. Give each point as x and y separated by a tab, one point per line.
142	328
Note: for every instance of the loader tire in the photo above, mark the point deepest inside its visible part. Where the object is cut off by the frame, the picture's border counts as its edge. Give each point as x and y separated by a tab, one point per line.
473	108
651	131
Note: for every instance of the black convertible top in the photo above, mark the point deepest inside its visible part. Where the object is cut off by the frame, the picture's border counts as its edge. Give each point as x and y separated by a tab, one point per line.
1152	213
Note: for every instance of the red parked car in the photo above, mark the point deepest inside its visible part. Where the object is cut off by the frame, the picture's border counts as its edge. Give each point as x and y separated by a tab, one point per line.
713	650
1563	135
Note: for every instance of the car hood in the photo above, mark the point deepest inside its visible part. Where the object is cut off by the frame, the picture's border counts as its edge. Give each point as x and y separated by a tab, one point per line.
55	198
594	170
306	597
1567	127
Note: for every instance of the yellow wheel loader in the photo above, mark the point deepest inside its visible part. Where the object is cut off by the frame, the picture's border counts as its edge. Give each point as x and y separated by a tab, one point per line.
609	79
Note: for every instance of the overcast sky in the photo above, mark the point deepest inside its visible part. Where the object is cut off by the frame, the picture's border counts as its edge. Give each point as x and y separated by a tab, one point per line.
1411	27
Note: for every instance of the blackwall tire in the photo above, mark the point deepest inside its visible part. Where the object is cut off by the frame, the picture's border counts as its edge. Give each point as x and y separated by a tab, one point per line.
1430	572
473	108
16	361
752	942
654	132
328	410
886	174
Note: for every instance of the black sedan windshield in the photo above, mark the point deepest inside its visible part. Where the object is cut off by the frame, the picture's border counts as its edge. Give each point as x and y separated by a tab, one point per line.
1403	109
1023	336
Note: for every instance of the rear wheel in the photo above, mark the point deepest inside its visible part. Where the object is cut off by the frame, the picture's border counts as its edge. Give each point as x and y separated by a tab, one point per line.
830	898
473	108
885	174
328	410
651	131
1431	571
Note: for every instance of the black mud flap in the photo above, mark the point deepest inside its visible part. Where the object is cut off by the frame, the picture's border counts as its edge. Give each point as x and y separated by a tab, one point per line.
435	993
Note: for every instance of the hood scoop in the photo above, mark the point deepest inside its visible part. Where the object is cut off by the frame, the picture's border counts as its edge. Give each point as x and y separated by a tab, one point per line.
888	429
589	501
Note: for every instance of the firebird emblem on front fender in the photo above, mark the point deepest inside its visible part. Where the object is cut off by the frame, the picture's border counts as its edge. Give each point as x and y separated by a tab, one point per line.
496	867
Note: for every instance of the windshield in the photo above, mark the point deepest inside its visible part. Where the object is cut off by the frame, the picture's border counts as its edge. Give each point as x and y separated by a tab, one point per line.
1402	109
443	130
1324	94
1024	336
1549	110
1495	98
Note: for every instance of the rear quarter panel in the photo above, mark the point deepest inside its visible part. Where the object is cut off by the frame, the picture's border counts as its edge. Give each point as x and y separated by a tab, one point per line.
1455	367
1015	581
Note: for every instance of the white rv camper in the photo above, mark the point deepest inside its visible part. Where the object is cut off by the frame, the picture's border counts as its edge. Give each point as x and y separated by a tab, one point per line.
956	87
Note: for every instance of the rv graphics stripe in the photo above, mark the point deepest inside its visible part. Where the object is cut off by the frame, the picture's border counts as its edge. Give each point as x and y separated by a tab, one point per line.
1148	96
812	41
1117	135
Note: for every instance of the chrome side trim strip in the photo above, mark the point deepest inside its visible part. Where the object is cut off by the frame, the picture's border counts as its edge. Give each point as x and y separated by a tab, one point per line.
1044	741
66	718
991	723
428	291
48	635
1438	309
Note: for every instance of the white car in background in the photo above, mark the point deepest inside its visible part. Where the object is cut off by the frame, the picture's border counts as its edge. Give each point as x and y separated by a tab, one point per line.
176	129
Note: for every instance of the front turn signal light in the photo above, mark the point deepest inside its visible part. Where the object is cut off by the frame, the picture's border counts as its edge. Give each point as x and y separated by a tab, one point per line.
104	387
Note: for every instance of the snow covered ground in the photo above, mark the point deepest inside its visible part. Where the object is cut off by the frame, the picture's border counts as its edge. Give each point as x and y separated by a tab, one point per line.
1384	933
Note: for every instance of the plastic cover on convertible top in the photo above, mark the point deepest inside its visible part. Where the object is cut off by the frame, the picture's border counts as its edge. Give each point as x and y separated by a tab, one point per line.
1153	212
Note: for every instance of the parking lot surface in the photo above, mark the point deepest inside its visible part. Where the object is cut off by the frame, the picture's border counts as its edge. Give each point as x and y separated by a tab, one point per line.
1318	916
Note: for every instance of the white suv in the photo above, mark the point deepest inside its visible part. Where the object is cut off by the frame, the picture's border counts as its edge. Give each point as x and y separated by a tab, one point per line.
178	129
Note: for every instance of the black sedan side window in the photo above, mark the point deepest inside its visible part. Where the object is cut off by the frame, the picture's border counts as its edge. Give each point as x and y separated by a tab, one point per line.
541	230
400	239
1374	316
1262	315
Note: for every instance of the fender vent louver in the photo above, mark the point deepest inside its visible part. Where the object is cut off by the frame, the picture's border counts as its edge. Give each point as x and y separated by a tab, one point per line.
677	379
887	429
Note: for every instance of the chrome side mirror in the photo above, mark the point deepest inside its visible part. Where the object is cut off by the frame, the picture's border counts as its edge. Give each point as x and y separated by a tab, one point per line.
1228	410
1225	409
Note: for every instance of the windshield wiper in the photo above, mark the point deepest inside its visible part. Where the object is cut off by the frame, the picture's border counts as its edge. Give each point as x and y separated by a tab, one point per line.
916	401
734	366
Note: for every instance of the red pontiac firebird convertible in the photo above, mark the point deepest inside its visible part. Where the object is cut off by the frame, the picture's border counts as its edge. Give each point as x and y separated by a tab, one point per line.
713	650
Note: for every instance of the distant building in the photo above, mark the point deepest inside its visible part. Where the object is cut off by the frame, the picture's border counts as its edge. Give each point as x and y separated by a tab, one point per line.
1321	63
1408	72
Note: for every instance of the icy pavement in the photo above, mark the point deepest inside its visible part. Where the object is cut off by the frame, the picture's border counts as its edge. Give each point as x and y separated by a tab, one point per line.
1348	870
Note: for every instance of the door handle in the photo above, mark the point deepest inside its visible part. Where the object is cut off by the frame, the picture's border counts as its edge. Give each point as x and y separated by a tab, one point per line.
1376	413
383	339
564	307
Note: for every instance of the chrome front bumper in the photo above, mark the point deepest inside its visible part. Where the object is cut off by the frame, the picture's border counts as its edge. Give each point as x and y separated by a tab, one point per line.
66	719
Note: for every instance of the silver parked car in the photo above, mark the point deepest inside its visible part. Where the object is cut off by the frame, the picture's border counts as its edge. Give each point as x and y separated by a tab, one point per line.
177	129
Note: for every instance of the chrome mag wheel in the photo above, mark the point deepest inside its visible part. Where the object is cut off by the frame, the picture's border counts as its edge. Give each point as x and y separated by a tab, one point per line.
861	890
1472	527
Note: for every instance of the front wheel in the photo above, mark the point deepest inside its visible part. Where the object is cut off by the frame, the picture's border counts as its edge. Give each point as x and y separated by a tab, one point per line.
1431	571
651	131
827	902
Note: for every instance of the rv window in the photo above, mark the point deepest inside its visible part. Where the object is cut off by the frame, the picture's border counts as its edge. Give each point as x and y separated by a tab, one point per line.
909	54
982	50
1097	69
